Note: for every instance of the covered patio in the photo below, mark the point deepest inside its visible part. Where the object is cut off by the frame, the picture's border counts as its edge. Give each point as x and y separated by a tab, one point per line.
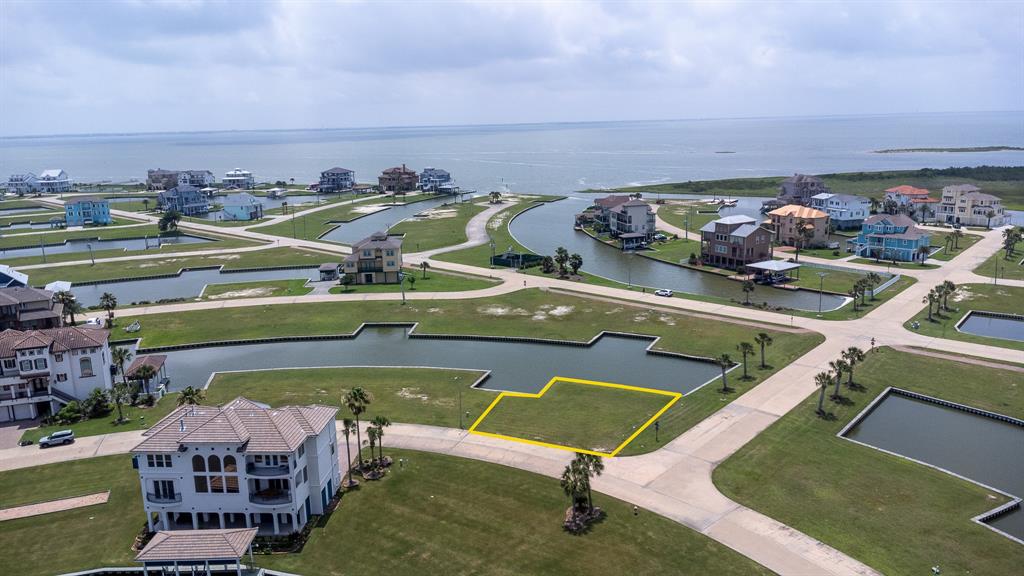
773	271
198	552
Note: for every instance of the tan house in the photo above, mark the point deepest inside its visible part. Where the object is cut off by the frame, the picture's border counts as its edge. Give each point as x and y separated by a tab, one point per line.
967	205
398	179
375	260
786	222
733	242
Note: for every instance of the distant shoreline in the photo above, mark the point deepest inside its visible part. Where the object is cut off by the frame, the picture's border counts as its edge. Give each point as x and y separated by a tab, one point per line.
969	149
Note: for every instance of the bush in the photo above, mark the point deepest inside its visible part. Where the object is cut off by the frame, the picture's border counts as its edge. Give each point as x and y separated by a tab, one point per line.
96	404
547	265
69	414
693	259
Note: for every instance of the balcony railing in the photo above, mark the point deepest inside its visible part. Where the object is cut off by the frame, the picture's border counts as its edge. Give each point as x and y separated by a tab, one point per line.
271	497
163	498
254	470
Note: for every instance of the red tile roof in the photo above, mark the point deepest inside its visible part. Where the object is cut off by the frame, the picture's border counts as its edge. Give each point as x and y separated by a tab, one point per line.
908	190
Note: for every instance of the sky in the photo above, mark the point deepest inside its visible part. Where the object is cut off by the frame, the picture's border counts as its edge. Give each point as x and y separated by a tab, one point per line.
134	66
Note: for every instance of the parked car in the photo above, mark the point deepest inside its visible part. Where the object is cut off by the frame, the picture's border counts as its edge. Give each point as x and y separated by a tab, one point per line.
660	237
57	438
663	292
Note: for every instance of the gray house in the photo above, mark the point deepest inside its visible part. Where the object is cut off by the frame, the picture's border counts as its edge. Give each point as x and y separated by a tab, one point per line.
183	199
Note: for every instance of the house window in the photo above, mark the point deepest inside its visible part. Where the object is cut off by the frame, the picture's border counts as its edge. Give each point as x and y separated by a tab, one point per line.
85	365
302	450
230	465
26	365
198	464
389	252
58	357
158	460
9	364
40	364
721	249
201	485
62	377
391	262
214	463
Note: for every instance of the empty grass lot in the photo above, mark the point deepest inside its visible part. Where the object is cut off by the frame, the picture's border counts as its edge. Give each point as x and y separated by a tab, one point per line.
897	516
963	243
497	228
983	297
256	289
436	514
608	418
433	282
998	266
311	226
442	226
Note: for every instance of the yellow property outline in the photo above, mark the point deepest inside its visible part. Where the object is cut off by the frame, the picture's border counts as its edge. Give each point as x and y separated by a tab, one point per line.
674	395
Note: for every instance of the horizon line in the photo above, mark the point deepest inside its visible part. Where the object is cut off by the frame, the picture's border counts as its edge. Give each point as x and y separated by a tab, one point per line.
496	124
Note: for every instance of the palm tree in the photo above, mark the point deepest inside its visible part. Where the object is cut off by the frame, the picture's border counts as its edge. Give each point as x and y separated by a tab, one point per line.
423	266
412	281
145	204
748	287
875	205
930	299
948	288
988	218
822	379
763	339
957	235
67	300
120	356
356	400
854	293
495	197
724	362
347	427
591	466
923	251
575	263
561	258
372	434
380	422
108	302
191	396
575	483
145	373
169	221
838	366
852	355
745	348
873	279
798	241
120	393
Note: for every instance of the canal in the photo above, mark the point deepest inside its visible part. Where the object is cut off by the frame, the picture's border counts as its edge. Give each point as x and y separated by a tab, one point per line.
82	245
1002	326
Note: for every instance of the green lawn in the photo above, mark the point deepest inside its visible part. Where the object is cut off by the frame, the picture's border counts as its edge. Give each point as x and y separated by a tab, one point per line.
15	203
312	226
435	514
674	251
1006	268
891	265
497	227
895	515
939	239
256	289
675	212
1004	182
985	297
42	217
114	223
434	282
443	226
576	415
156	266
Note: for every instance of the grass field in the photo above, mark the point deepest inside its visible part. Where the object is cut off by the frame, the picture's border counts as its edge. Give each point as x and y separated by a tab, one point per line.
312	226
156	266
435	514
434	282
114	223
1005	268
887	265
497	227
895	515
969	297
674	251
676	213
939	239
576	415
1004	182
422	234
257	289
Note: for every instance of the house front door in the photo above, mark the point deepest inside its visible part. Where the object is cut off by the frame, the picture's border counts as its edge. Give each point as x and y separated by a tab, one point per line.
368	278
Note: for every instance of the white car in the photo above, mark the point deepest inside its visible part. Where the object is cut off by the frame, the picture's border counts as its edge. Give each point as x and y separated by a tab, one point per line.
663	292
57	438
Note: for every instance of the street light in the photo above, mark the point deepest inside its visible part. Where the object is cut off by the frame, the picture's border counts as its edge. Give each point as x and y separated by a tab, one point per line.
401	284
492	252
91	257
821	289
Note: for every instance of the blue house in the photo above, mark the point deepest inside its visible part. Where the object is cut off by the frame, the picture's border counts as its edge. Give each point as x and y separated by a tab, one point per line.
87	211
242	206
891	237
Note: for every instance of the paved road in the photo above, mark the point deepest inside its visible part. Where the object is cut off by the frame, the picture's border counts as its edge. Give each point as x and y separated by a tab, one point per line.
675	481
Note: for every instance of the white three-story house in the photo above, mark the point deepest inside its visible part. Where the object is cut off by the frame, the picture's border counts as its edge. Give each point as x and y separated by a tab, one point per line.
241	465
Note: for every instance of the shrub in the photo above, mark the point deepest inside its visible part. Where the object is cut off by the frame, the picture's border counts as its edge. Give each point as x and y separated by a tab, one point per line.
693	259
96	404
69	414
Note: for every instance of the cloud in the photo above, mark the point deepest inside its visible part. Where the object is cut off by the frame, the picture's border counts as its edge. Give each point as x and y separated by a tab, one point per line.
141	66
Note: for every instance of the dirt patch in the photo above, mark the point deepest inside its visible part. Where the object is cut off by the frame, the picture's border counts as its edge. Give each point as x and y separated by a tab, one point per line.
247	293
437	214
559	311
413	394
494	310
368	209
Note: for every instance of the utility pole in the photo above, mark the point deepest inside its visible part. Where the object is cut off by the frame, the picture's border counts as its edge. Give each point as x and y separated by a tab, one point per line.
43	248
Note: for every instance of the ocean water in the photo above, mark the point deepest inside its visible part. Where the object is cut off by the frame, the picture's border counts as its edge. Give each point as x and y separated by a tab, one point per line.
541	158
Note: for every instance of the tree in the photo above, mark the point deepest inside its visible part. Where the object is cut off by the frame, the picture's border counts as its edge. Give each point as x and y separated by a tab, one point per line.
120	356
838	366
120	394
356	400
145	204
923	252
852	355
930	299
347	427
95	404
591	466
988	218
169	221
1011	236
372	435
424	266
561	258
346	280
495	197
575	483
547	265
822	379
889	206
575	263
108	302
763	339
67	301
380	422
875	205
748	287
746	349
411	279
145	373
873	280
191	396
854	293
948	288
724	362
801	237
957	235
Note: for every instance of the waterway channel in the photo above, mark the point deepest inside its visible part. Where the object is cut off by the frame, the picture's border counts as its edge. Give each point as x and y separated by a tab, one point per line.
978	447
517	366
82	245
545	228
993	326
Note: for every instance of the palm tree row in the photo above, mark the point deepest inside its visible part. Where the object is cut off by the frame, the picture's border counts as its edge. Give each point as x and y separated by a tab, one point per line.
862	287
939	298
1012	237
847	361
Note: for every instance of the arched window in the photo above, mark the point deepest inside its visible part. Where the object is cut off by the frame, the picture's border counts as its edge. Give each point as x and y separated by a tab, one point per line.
85	364
214	463
229	464
198	464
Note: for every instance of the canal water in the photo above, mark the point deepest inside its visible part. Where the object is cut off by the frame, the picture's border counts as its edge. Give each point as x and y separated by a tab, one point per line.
354	231
189	285
983	449
23	210
82	245
545	228
28	225
515	366
981	324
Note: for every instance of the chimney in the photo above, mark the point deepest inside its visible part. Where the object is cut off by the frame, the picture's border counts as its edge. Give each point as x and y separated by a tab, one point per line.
181	425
